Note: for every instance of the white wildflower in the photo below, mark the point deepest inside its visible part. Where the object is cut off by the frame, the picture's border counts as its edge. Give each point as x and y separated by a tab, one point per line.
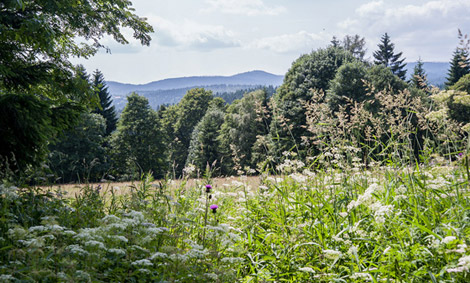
10	193
82	276
462	248
32	243
360	275
462	266
178	258
449	239
144	270
143	262
37	229
332	254
118	252
299	178
76	250
7	277
16	233
94	244
110	219
48	237
158	255
237	183
69	233
211	276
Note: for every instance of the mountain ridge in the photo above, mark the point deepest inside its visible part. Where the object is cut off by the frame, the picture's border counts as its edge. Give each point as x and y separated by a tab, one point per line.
256	77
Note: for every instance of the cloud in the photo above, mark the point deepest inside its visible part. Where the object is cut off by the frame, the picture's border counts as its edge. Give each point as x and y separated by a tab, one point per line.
428	29
301	41
380	16
243	7
188	34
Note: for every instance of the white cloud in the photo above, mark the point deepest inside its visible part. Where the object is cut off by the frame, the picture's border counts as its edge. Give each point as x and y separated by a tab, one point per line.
188	34
301	41
426	29
369	8
243	7
432	15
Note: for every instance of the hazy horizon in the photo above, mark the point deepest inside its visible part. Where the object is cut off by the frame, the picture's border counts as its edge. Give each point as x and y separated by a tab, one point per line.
228	37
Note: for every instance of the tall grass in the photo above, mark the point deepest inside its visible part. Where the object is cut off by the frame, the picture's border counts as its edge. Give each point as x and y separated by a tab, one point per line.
373	206
405	224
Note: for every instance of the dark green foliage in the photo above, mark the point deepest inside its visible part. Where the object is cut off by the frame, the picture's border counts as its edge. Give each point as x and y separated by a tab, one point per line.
188	113
383	78
27	124
137	145
309	72
204	145
386	56
243	133
79	156
106	108
419	80
349	83
457	110
36	40
459	67
43	32
230	97
463	84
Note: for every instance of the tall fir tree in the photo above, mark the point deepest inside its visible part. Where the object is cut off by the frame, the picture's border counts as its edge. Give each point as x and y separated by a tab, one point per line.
419	79
459	67
107	108
386	56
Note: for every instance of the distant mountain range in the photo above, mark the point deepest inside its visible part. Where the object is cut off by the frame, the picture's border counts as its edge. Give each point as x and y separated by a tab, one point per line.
436	72
170	91
248	78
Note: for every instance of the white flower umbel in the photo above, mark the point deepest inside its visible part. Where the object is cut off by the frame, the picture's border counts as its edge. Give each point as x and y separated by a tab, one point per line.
142	262
462	266
332	254
448	239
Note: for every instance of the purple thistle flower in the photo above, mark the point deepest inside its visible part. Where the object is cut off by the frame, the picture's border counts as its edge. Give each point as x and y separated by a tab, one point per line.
214	208
208	188
460	154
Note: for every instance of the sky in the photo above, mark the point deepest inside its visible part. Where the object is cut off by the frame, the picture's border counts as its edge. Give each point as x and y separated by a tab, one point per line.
226	37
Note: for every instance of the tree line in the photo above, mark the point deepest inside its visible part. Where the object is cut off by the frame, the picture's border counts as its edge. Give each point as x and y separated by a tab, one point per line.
55	119
256	132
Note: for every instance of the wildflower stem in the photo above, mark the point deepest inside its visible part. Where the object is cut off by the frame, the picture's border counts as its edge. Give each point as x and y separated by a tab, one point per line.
205	221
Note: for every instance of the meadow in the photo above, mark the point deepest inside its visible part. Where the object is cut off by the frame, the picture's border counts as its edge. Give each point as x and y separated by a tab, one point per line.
384	224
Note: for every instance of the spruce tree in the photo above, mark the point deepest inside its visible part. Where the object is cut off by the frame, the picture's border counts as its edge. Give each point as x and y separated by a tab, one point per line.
387	57
459	66
418	79
107	109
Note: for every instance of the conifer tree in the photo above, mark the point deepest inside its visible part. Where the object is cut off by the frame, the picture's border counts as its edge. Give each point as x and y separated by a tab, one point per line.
387	57
459	66
107	109
419	79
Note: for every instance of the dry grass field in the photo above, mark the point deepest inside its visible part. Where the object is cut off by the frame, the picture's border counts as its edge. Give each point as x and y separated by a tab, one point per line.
122	188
